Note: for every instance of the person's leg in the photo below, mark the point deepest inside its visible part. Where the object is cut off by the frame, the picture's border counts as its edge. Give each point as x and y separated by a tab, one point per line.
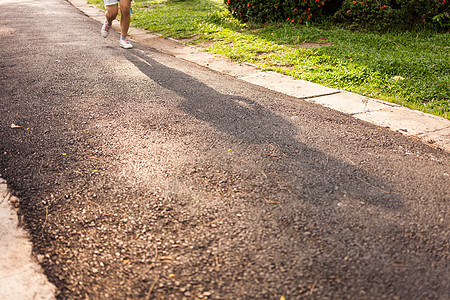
112	10
125	17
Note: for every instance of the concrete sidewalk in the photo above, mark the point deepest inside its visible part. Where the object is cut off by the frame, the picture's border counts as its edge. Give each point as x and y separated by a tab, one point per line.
21	276
430	129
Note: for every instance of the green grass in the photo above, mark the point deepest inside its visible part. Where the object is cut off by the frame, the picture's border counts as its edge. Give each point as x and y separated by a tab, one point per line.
411	69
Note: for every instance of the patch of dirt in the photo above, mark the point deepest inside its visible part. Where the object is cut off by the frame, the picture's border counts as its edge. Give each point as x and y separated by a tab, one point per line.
286	66
314	45
263	52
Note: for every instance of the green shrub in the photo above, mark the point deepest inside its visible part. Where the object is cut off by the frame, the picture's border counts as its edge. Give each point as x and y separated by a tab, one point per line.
389	14
366	14
262	11
442	19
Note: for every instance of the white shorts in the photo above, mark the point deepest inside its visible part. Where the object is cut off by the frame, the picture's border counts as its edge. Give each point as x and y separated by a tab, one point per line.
110	2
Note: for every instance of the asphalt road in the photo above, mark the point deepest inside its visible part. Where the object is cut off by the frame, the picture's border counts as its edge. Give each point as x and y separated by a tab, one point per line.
144	176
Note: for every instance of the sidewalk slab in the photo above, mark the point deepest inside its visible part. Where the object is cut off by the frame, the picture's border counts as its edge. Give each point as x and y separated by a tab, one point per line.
219	64
438	137
94	12
405	120
165	45
287	85
351	103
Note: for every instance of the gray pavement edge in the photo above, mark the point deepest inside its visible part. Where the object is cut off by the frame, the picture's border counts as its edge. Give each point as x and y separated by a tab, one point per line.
430	129
21	276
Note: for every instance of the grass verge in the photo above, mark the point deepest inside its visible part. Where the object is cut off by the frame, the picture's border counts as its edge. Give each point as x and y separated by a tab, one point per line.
410	68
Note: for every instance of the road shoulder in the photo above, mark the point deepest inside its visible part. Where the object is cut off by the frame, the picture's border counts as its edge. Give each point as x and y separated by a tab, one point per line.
21	275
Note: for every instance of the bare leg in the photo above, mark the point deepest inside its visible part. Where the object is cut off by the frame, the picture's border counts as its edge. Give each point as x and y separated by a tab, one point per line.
125	16
111	12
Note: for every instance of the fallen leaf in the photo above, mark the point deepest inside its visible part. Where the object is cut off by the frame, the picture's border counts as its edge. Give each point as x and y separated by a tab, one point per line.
14	126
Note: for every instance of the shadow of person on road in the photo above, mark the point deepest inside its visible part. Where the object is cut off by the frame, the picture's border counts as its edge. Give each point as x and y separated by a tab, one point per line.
311	174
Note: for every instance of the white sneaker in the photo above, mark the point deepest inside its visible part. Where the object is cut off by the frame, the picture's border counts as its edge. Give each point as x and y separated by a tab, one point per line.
125	43
105	29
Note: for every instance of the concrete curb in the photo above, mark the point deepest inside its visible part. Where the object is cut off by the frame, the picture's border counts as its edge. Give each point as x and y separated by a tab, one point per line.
21	275
430	129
